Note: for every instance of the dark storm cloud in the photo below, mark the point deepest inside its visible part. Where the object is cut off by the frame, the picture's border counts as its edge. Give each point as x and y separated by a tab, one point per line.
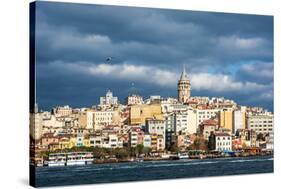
261	72
149	47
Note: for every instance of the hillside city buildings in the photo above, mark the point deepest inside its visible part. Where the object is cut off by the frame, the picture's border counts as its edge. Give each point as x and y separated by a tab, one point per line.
158	123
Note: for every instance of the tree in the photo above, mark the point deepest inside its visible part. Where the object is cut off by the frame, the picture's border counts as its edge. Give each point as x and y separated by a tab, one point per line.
121	153
139	149
146	150
98	152
44	154
199	144
133	151
174	148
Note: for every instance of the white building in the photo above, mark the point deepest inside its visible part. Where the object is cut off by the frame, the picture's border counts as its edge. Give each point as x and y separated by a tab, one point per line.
79	139
102	118
170	128
108	99
168	107
221	102
147	140
114	142
205	114
239	119
90	120
192	125
133	138
63	110
184	121
134	99
223	142
96	141
105	141
155	126
160	143
53	121
261	123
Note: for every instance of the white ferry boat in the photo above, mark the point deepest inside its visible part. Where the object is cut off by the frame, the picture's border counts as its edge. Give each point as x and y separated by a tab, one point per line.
166	156
57	159
183	155
79	158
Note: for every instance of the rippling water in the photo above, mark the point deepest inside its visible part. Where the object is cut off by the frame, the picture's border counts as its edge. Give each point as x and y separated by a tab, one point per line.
139	171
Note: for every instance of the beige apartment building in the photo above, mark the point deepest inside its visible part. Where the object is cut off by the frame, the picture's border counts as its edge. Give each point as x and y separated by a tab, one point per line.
139	113
261	123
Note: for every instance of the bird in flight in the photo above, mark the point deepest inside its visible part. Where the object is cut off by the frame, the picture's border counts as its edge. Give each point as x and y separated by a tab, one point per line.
109	59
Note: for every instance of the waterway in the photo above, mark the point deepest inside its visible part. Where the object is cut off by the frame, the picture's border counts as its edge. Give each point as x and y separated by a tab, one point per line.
153	170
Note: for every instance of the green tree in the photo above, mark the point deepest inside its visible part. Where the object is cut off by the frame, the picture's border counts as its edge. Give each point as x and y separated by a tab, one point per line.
146	150
133	151
199	144
44	154
174	148
139	149
99	152
122	153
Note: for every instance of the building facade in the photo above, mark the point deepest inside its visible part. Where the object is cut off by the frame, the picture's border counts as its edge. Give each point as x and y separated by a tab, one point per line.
139	113
108	99
220	142
102	118
226	119
239	120
261	123
134	99
206	114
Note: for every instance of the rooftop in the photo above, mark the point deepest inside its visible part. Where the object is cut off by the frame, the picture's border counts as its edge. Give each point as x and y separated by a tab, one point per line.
222	134
184	75
209	122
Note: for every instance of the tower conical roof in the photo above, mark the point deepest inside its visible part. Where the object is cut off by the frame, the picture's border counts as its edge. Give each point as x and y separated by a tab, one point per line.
183	74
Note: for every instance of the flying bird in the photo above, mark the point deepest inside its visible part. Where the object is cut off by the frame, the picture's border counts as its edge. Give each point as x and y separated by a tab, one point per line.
109	59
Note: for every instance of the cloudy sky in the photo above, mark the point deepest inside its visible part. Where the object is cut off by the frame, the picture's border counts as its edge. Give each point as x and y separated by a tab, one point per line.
228	55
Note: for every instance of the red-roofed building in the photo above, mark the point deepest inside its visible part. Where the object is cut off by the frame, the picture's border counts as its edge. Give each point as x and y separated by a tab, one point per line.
49	138
208	126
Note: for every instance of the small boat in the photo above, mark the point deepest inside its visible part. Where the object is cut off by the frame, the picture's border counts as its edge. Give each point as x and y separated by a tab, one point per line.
39	165
201	156
165	156
139	160
183	155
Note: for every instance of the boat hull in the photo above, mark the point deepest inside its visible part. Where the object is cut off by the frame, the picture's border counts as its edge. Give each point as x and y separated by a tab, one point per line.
54	164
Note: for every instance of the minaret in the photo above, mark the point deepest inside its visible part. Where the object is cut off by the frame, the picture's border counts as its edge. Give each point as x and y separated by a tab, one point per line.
183	87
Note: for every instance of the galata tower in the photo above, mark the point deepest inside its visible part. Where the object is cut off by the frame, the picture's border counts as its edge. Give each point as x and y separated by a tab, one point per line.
183	87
